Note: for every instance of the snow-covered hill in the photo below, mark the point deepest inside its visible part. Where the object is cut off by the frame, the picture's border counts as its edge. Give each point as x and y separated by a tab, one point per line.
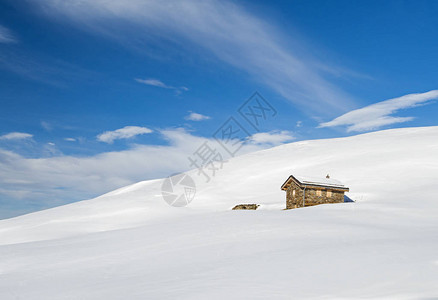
130	244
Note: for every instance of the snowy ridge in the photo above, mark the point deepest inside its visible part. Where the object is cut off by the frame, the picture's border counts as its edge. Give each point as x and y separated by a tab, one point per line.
130	244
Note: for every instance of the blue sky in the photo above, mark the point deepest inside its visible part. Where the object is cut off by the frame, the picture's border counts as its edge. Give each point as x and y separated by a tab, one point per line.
99	94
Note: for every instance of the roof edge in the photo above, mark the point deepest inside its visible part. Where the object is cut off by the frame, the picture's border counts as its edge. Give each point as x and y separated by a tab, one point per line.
302	185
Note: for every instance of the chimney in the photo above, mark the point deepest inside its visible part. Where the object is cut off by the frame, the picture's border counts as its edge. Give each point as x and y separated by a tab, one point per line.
328	176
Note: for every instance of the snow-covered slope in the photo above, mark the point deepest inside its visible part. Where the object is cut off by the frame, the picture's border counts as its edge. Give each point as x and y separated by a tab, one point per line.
130	244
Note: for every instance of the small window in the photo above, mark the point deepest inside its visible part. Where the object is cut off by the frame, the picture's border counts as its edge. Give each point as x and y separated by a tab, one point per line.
329	193
293	193
318	192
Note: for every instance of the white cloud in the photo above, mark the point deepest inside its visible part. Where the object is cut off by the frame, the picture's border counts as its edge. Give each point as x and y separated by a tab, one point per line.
46	125
272	138
6	35
222	28
159	83
196	117
70	139
16	136
154	82
379	114
299	124
122	133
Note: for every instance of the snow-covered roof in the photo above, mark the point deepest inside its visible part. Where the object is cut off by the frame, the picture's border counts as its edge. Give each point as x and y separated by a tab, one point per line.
319	181
316	181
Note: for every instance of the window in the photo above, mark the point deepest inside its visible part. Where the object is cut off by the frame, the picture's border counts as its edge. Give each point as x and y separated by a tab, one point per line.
318	192
329	193
293	193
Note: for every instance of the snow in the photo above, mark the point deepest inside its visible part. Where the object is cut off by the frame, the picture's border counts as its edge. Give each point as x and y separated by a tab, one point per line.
319	181
130	244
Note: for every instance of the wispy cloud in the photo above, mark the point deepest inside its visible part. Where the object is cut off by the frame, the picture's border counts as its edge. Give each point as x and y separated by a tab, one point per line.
222	28
70	139
196	117
6	35
122	133
50	150
16	136
159	83
46	125
379	114
271	138
43	68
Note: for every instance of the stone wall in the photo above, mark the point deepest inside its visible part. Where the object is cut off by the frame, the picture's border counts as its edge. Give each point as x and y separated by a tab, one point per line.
311	197
294	201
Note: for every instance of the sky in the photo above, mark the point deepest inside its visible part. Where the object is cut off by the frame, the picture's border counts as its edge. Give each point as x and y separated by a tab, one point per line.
96	95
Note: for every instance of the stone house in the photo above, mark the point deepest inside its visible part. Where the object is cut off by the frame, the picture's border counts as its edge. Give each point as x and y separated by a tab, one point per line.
304	191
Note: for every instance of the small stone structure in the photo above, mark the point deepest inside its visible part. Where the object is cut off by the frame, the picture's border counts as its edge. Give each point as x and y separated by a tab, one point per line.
304	191
246	206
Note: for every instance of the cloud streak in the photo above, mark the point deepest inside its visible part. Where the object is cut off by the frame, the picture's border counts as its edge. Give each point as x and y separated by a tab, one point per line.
379	114
159	83
221	28
126	132
6	36
196	117
16	136
272	138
